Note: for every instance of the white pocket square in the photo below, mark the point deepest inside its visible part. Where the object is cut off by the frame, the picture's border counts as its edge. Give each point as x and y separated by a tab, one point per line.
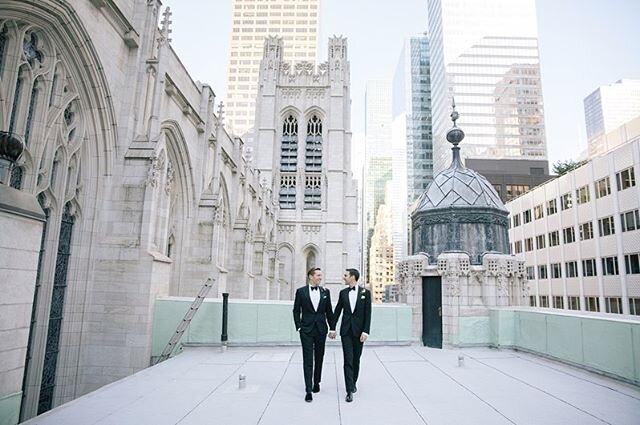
362	297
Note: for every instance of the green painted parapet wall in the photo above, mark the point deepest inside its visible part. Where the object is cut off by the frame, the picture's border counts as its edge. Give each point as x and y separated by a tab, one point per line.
10	408
261	323
604	343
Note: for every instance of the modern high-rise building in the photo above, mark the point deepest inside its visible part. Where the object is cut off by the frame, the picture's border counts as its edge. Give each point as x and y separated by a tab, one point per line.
607	108
485	55
412	136
378	152
296	21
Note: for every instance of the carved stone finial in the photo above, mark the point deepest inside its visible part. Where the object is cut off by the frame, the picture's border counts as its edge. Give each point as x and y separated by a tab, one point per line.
454	135
166	24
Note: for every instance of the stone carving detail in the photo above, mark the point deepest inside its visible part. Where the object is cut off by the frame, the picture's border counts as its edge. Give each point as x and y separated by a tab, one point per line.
170	178
308	228
315	92
465	218
304	67
286	228
291	93
155	170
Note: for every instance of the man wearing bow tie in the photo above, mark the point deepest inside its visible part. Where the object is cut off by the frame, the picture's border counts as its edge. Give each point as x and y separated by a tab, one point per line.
311	313
354	330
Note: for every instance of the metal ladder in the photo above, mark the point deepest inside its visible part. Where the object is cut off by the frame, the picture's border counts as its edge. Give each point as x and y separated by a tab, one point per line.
186	320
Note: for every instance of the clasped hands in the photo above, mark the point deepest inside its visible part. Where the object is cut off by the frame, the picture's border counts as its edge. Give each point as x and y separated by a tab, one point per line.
363	336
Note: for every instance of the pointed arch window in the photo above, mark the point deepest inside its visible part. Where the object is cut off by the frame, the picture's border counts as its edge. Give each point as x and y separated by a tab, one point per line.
313	153
289	146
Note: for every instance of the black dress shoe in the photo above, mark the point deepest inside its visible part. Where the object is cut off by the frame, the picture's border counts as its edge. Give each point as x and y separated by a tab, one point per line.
308	398
349	398
316	388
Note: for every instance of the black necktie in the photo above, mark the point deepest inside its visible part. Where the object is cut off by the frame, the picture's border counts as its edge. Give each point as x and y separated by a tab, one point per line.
314	288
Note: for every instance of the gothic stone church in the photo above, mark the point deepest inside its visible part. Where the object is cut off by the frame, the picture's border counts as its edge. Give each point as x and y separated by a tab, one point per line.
130	188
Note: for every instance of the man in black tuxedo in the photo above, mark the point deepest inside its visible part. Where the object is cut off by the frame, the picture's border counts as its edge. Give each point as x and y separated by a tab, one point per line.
311	313
354	330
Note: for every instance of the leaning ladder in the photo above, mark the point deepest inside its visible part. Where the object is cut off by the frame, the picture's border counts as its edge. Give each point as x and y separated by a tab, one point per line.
186	320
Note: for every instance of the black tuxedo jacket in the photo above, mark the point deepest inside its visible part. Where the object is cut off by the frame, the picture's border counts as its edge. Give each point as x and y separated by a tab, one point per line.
357	321
304	315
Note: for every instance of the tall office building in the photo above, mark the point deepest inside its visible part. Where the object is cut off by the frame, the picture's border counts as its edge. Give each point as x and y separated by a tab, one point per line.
296	21
377	170
485	54
412	136
607	108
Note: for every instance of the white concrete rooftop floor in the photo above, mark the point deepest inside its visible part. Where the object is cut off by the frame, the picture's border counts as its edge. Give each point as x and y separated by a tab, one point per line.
397	385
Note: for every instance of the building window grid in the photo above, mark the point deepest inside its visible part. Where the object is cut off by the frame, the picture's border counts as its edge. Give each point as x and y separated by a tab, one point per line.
632	263
531	275
568	235
556	271
526	216
610	266
589	267
613	305
566	202
630	220
582	195
528	244
538	212
552	207
540	241
571	268
606	226
625	179
516	220
558	302
634	306
544	301
586	231
573	303
554	238
593	304
542	271
603	188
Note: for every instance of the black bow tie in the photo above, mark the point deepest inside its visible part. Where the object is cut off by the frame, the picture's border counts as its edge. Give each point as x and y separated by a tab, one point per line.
352	289
314	288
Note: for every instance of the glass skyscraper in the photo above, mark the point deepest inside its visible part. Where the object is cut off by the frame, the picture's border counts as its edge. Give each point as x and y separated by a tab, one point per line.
485	54
412	136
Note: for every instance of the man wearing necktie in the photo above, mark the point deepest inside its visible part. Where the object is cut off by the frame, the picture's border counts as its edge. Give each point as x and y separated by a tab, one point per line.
311	314
354	330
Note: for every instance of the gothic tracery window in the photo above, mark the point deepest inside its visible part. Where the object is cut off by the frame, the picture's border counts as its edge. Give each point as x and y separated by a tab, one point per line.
30	70
313	153
288	191
289	148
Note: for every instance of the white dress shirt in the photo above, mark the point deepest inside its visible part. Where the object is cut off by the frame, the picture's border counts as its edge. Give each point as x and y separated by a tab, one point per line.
353	298
315	297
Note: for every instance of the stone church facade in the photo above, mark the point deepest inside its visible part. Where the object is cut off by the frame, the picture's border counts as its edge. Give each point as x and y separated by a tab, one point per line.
142	192
303	150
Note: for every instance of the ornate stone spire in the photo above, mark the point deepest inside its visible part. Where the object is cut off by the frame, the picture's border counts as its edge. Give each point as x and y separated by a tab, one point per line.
454	136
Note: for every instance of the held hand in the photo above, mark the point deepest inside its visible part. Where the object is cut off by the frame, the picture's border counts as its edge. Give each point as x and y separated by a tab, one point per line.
363	337
332	334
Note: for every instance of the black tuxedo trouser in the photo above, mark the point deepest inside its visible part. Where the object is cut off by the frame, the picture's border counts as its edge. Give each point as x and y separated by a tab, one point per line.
312	349
351	350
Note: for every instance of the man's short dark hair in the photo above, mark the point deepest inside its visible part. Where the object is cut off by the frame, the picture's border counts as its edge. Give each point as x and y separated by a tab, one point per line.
355	273
312	271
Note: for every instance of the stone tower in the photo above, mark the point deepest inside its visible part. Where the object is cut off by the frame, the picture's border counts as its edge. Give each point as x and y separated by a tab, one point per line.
302	147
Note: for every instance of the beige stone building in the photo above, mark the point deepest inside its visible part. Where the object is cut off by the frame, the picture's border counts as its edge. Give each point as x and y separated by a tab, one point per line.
130	188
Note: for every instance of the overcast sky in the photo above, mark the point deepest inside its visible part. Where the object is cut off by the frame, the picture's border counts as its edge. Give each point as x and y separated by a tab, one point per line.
583	44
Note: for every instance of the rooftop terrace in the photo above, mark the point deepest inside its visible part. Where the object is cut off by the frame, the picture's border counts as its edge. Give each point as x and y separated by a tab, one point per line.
398	385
